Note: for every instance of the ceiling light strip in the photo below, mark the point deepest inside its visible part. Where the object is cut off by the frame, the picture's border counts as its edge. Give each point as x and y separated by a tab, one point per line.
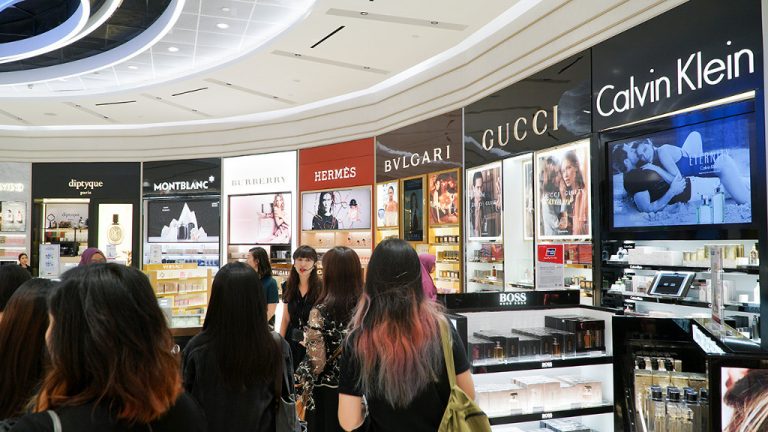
330	62
327	36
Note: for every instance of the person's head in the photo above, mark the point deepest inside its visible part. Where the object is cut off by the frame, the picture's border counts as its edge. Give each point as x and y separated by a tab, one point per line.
279	201
391	193
304	267
342	282
571	170
24	354
326	203
23	259
236	327
109	344
477	185
749	399
396	329
644	150
11	277
258	259
92	256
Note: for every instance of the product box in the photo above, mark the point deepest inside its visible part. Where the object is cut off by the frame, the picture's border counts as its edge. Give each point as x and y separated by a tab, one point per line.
528	346
480	349
547	340
564	425
583	391
507	342
499	399
590	332
542	393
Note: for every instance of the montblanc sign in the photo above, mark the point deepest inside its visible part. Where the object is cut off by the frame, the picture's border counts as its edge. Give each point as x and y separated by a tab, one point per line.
182	185
657	68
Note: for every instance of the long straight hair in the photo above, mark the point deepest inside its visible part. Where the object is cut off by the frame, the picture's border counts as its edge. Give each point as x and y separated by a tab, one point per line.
342	282
110	345
262	259
11	277
396	331
292	284
236	328
22	338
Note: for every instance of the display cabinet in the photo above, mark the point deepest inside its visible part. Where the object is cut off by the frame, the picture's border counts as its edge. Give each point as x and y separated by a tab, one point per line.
182	288
538	357
322	241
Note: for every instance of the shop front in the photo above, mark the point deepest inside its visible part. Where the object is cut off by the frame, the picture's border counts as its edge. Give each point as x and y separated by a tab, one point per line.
15	208
335	186
77	206
182	224
259	202
419	167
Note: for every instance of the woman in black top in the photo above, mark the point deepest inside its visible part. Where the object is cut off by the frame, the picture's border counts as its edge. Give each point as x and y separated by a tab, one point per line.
230	367
24	262
394	354
328	326
112	367
324	219
300	292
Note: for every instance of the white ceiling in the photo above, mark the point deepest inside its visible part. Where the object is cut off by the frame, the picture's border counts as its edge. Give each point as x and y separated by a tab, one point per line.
398	62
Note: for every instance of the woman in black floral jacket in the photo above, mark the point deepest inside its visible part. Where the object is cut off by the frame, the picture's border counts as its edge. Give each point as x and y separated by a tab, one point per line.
318	373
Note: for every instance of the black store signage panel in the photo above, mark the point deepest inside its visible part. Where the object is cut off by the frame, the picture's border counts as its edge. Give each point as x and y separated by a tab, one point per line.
545	110
701	51
182	177
108	180
424	147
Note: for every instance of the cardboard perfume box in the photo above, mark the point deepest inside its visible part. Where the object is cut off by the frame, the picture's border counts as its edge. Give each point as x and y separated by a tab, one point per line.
480	349
508	342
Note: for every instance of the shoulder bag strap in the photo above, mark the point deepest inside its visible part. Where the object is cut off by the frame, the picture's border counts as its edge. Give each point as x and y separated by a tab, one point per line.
445	335
278	369
55	420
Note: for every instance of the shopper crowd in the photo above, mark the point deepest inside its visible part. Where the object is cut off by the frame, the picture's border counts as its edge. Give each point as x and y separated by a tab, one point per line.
93	352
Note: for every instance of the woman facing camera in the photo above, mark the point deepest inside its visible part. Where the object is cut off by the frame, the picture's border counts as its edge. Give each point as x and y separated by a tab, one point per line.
230	368
112	366
300	293
394	356
327	328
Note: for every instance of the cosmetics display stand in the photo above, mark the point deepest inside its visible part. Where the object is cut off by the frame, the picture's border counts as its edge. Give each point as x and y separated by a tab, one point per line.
184	289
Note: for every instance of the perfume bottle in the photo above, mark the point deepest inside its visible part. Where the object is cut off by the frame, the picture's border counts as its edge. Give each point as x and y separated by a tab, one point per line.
115	232
657	411
704	404
588	339
9	216
19	217
754	255
556	349
704	211
718	205
498	351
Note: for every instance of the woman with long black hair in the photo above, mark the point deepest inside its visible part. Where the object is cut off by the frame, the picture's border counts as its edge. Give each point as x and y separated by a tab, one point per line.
300	293
230	367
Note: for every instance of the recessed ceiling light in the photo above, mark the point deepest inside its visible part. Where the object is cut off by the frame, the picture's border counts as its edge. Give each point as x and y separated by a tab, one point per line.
434	22
225	9
363	13
132	67
173	49
222	26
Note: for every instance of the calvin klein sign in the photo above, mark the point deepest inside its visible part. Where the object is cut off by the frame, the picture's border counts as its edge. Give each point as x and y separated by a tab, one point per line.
667	69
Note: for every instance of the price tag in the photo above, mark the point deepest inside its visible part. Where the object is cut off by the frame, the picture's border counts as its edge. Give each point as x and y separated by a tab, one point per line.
546	365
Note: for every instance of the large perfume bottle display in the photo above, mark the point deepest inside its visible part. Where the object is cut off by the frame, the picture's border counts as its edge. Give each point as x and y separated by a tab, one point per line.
115	233
185	228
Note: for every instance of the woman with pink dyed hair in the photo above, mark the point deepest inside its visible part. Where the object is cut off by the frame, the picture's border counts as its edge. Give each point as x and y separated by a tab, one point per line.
393	355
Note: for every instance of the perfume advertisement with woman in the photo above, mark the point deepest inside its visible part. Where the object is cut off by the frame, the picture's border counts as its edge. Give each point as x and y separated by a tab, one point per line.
563	192
260	219
444	200
340	209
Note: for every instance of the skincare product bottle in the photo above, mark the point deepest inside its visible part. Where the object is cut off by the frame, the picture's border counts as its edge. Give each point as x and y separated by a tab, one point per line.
692	403
718	205
704	404
754	255
756	293
657	411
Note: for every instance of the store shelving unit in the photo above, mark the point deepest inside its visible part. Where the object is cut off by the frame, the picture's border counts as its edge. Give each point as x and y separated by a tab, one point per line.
185	288
358	240
445	244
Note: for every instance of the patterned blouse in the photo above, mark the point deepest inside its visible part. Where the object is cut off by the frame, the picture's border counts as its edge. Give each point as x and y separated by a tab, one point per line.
320	367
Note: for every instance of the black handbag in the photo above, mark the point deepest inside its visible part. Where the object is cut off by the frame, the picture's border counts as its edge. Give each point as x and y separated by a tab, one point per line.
286	417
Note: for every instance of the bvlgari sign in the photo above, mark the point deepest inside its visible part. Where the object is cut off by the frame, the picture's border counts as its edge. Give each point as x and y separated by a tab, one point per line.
699	52
424	147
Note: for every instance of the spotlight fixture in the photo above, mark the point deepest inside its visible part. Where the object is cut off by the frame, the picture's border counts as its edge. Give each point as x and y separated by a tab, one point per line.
173	49
222	26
